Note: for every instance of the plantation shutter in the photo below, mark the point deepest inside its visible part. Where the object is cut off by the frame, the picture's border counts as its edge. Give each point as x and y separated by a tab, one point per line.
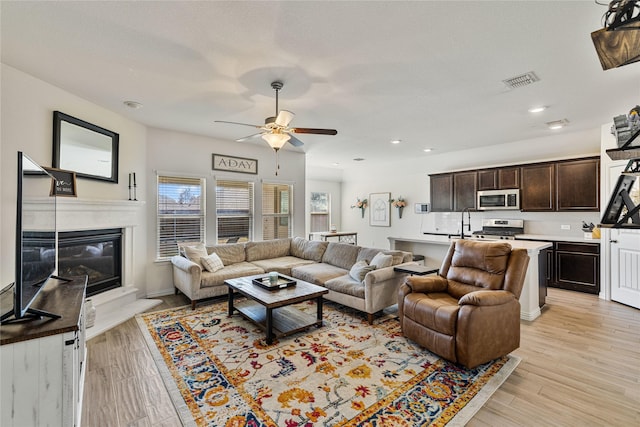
181	213
276	211
234	211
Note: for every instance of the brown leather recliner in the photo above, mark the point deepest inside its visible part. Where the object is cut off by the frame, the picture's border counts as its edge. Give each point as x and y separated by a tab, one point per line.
469	313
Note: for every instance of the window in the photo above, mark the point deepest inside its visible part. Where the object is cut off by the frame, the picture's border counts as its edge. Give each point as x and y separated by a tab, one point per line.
181	213
319	212
234	211
276	211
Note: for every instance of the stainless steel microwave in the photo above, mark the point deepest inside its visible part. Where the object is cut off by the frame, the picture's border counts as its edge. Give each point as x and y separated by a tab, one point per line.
491	200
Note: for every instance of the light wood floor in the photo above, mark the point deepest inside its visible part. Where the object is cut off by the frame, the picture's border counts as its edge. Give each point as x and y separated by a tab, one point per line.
580	367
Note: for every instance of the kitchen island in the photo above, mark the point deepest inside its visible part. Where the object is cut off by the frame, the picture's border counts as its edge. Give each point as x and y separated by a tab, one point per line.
434	248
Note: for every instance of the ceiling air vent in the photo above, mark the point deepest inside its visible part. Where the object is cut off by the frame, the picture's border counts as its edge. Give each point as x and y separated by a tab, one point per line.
521	80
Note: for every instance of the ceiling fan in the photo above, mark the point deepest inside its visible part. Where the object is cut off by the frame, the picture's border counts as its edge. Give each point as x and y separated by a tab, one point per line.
276	130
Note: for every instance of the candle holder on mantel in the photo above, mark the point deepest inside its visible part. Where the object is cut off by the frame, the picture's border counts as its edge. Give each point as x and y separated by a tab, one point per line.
135	197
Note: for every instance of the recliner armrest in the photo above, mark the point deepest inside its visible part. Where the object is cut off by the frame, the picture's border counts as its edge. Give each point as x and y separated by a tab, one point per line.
427	284
486	298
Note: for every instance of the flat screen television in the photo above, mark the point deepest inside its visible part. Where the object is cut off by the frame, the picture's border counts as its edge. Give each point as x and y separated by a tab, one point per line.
36	239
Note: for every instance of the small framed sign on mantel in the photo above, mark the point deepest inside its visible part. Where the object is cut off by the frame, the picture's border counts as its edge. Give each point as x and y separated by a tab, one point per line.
64	183
235	164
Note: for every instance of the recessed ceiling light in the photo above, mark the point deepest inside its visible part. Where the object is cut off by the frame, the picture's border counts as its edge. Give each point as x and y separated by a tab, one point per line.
133	104
358	159
537	109
335	164
396	141
427	150
557	124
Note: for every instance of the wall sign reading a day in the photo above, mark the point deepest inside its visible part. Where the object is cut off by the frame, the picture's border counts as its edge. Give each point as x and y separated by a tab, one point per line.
235	164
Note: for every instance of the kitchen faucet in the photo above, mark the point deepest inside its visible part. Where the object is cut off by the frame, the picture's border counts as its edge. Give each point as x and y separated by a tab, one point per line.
468	211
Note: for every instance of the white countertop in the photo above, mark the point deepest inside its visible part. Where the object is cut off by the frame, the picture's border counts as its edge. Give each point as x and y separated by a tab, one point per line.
529	245
546	237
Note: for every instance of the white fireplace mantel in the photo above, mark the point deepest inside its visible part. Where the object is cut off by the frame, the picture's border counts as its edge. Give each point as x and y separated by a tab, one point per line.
74	214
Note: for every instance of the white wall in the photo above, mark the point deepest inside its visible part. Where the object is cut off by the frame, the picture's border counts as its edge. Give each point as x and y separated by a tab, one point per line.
410	179
27	107
188	154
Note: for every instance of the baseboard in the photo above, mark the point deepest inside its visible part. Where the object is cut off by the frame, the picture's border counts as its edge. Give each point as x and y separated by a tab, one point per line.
530	315
107	319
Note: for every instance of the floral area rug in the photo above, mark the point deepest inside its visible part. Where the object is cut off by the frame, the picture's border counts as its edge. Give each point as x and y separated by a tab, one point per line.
219	372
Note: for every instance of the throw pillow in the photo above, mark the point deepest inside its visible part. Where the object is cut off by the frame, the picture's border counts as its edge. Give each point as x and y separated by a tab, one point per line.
360	269
194	253
381	260
212	262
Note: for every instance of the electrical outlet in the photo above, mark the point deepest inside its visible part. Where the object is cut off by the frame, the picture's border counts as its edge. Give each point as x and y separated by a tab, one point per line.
565	227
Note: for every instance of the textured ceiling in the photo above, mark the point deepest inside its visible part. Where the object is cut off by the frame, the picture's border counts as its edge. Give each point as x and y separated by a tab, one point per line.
429	73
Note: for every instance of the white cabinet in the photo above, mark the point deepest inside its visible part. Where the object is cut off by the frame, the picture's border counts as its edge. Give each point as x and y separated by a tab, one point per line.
42	362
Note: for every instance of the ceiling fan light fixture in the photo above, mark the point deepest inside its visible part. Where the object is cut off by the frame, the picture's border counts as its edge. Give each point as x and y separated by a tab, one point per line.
284	118
276	140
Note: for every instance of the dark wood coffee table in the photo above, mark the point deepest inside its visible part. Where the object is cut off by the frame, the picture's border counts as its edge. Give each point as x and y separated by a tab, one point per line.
270	309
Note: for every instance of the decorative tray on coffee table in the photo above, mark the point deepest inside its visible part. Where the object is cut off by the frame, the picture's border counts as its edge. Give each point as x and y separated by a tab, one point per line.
282	282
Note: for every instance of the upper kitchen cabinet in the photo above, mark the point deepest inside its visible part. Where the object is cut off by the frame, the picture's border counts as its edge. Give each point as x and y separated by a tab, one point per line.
566	185
465	185
578	185
487	179
537	189
508	178
441	186
499	178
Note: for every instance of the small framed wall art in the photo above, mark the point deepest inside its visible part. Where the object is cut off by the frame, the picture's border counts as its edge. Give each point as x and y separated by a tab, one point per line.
64	183
380	209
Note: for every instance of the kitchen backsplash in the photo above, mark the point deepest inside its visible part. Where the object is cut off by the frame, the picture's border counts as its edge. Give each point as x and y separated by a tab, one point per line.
545	223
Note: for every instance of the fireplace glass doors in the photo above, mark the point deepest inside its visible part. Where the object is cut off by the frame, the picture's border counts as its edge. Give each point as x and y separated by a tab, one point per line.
96	253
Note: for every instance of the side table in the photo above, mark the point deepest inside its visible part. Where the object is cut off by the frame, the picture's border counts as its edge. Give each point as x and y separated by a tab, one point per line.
418	270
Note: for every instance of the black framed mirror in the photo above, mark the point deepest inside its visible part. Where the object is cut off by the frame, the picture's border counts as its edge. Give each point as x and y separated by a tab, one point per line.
88	150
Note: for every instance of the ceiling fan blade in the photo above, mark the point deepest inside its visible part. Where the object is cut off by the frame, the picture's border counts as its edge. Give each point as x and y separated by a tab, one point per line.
237	123
246	138
295	141
284	118
316	131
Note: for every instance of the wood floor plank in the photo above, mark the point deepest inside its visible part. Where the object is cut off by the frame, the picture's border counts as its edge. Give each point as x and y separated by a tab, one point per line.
579	367
130	406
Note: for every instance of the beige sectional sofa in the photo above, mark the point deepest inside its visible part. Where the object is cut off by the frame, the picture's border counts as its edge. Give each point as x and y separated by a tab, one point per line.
327	264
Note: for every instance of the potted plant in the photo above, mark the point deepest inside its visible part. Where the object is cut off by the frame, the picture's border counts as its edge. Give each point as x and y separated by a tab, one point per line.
399	203
360	204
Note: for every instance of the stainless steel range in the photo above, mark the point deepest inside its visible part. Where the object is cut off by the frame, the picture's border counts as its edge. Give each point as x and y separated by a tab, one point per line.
496	229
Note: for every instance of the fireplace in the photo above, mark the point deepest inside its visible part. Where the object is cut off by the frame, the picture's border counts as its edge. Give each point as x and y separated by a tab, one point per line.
96	253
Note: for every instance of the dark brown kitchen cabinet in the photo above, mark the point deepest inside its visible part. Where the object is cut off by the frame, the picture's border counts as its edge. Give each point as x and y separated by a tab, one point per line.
537	187
487	179
578	185
465	185
441	187
577	267
508	178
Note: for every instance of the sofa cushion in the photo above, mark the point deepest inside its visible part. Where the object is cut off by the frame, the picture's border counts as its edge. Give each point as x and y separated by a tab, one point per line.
212	262
346	285
183	244
230	253
341	255
267	249
317	273
281	265
382	261
195	253
239	269
360	269
308	249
